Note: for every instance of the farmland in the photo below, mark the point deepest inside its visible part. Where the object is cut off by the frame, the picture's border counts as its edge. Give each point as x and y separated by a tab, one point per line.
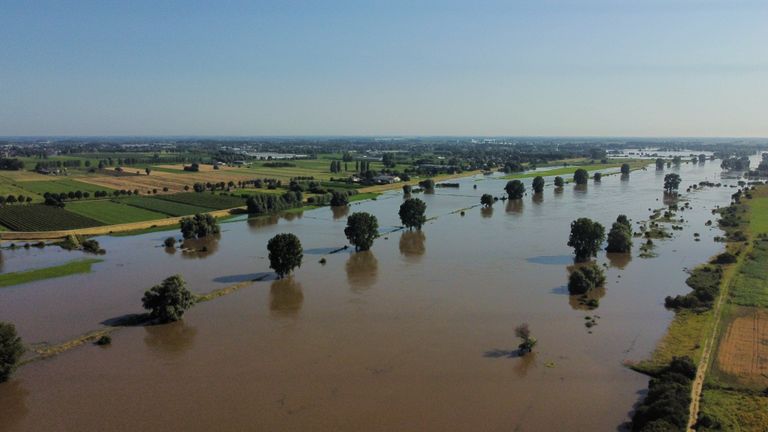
39	217
169	208
111	212
60	185
207	200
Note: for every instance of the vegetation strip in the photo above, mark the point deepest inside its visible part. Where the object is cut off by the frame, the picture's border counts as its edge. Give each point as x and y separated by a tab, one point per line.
74	267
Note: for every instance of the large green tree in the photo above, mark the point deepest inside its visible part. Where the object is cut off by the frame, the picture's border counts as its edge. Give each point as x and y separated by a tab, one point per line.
620	236
412	213
671	182
11	350
199	226
362	229
580	176
559	182
515	189
586	238
168	301
538	184
285	253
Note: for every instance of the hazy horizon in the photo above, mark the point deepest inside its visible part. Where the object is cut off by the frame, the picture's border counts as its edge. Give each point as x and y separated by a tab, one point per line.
586	69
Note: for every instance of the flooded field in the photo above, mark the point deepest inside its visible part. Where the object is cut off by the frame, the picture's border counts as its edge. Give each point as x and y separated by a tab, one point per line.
416	334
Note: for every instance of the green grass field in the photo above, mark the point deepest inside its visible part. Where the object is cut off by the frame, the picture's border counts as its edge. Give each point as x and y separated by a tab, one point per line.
569	170
59	186
162	206
110	212
734	411
70	268
11	187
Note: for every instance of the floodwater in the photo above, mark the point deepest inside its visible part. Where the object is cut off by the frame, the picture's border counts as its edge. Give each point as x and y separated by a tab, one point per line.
416	334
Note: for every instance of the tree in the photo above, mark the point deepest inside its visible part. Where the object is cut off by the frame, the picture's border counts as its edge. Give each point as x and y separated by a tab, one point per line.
625	169
559	182
659	164
168	301
169	242
486	200
585	278
339	199
407	189
148	170
11	350
285	253
580	176
412	213
620	237
598	177
199	226
515	189
586	238
671	182
527	340
362	229
538	184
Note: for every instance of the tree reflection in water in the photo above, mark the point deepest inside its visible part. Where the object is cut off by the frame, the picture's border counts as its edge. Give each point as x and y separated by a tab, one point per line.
362	270
170	340
412	245
285	297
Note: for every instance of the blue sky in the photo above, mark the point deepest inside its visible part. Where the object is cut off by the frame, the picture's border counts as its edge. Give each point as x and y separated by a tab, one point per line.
565	68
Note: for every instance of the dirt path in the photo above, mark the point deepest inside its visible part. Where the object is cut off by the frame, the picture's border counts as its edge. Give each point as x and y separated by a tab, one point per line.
709	344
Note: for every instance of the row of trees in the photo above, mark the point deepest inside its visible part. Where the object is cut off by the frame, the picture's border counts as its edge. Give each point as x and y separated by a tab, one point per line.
13	199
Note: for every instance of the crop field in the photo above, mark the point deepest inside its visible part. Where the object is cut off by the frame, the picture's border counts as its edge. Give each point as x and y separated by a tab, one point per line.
39	217
743	351
110	212
205	199
169	208
174	181
59	186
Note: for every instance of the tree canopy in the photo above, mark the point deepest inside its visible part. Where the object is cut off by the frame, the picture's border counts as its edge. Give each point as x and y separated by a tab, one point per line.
586	238
362	229
515	189
412	213
538	184
671	182
620	236
199	226
559	182
285	253
11	350
580	176
168	301
659	164
625	168
585	278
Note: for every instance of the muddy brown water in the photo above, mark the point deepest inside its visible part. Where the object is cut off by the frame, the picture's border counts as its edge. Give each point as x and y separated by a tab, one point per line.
416	334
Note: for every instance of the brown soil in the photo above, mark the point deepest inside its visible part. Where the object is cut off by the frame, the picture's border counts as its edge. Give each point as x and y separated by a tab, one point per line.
743	352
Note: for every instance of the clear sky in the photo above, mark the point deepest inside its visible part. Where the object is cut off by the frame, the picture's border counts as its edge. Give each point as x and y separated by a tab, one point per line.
582	67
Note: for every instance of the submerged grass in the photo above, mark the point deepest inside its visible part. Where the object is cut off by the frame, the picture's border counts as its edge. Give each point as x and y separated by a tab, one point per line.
70	268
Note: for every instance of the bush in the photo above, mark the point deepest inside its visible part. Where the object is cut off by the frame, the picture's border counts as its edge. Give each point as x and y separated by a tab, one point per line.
168	301
92	246
104	340
665	407
199	226
169	242
11	350
725	258
585	278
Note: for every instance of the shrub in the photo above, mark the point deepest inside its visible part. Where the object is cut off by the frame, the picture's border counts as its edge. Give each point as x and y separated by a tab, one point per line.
104	340
11	350
169	242
585	278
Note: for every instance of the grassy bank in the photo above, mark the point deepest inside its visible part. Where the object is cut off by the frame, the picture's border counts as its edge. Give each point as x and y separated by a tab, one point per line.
74	267
570	169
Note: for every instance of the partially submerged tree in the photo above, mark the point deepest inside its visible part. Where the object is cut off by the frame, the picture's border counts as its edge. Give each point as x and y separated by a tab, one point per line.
285	253
585	278
362	229
559	182
581	176
527	340
11	350
486	200
168	301
671	183
407	189
586	238
199	226
515	189
659	164
625	169
412	213
538	184
619	238
598	177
